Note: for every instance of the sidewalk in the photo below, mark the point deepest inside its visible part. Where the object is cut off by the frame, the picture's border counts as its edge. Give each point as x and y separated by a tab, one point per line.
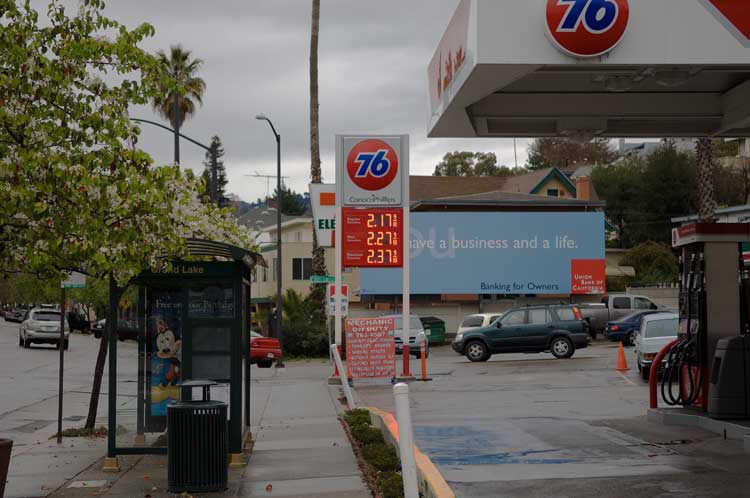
300	449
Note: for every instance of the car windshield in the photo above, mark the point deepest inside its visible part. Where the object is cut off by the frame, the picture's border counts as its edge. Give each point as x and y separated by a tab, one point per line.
473	321
414	323
666	327
46	316
255	334
633	317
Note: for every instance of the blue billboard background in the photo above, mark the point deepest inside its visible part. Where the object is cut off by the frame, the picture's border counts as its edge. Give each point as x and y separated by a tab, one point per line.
492	253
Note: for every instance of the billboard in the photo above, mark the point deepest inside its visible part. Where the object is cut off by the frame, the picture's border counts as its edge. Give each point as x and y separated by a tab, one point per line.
499	253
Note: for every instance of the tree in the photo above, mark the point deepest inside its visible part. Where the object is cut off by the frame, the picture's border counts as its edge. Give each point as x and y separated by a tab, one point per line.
218	190
619	184
182	80
559	152
75	192
706	198
654	263
318	260
472	164
292	203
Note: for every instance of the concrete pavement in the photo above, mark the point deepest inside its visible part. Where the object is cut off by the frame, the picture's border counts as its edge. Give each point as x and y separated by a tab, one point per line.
533	426
301	449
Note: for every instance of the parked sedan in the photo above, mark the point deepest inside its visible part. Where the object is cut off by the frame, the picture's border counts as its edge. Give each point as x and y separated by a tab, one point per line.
15	315
557	329
126	329
42	326
264	350
656	332
625	328
79	323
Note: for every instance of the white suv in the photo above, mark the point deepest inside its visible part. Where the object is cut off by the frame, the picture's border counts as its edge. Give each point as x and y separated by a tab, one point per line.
656	331
42	326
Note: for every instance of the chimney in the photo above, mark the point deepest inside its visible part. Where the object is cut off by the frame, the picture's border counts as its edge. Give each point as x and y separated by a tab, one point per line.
583	188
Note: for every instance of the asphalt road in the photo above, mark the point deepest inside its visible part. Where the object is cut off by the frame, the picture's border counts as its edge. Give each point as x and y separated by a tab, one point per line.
532	426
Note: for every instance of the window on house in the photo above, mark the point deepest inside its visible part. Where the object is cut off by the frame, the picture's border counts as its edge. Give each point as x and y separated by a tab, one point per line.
265	274
301	268
275	269
298	236
553	192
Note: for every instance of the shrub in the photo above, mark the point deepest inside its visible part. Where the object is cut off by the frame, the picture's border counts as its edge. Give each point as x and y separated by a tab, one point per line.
382	457
305	332
357	417
392	485
366	435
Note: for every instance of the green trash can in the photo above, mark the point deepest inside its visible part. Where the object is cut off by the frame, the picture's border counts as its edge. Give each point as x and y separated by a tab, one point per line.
197	445
435	329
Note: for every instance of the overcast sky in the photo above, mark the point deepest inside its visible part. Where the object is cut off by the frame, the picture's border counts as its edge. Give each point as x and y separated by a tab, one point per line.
373	58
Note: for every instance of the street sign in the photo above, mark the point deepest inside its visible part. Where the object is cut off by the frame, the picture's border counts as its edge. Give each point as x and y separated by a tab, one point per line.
322	279
370	348
373	171
323	200
734	14
587	28
344	299
373	238
74	280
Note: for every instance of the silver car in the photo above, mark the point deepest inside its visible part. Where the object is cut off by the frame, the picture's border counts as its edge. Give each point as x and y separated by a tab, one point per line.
42	326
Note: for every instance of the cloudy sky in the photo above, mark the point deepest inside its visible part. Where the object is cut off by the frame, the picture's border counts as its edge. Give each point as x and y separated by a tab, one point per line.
373	58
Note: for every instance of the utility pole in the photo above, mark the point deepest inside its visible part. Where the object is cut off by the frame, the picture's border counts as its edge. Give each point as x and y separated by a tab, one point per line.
176	123
214	174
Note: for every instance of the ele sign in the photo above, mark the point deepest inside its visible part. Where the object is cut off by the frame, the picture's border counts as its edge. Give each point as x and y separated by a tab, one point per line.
587	28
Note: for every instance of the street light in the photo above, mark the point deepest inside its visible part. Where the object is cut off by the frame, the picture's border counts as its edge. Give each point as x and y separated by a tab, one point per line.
279	332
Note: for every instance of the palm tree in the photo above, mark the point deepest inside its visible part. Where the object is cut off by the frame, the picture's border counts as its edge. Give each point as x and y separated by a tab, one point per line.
318	262
189	88
706	198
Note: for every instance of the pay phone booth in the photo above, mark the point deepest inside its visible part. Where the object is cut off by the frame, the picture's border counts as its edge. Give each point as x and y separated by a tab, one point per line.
191	322
709	367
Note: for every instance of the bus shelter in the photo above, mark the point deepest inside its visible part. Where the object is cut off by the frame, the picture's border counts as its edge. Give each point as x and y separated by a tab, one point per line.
188	322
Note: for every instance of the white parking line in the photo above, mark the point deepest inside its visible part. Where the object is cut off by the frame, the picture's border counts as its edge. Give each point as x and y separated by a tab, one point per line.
626	379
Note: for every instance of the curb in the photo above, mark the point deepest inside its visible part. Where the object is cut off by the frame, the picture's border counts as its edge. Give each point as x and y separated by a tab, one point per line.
682	417
431	481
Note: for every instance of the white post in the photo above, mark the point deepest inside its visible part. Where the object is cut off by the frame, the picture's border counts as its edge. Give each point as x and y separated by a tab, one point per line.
339	223
406	441
406	293
342	376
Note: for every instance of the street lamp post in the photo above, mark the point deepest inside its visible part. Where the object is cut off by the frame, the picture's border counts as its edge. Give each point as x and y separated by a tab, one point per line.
263	117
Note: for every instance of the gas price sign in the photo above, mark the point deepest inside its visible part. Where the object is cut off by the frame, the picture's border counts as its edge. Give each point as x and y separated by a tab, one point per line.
373	238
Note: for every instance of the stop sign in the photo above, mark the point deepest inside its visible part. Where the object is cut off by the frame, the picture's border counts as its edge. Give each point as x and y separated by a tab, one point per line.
734	14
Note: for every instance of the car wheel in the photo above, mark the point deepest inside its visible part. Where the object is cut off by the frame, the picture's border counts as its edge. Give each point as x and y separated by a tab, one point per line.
645	372
265	363
98	334
561	347
20	340
476	351
27	343
631	339
66	344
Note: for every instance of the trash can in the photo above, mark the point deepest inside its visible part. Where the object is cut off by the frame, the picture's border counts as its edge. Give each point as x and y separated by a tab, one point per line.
197	444
435	329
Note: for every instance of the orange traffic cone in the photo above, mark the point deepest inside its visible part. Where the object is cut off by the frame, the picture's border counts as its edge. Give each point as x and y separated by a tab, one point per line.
622	363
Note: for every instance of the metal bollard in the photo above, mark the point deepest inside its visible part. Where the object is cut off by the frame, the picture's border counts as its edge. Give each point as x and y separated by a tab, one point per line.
406	440
342	376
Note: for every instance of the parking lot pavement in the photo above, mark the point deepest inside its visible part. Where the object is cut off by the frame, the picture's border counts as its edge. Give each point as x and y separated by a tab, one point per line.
530	425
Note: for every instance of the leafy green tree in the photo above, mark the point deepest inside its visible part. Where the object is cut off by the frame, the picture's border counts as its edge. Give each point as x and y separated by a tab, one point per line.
292	203
304	325
654	263
620	185
221	174
560	152
181	69
472	164
75	192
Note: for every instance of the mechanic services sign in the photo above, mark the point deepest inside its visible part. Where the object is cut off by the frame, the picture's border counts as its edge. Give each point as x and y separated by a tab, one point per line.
499	253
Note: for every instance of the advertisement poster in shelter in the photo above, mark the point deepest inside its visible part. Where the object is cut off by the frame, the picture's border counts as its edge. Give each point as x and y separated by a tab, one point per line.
370	348
163	355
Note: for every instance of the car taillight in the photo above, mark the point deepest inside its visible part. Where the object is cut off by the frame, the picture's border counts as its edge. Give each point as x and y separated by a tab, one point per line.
614	327
577	313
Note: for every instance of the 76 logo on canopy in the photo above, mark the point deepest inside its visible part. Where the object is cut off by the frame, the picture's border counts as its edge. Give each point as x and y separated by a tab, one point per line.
587	28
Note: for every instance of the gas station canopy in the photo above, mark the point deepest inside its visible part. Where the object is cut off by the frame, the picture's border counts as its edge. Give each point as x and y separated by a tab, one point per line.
593	68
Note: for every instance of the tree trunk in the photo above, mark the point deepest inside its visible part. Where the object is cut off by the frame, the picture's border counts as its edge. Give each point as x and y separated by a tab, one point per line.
706	199
318	262
101	358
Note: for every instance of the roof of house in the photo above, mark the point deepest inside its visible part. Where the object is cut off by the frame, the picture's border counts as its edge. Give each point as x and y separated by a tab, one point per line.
502	199
261	217
435	187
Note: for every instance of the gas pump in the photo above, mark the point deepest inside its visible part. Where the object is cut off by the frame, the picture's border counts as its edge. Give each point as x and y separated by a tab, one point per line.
710	309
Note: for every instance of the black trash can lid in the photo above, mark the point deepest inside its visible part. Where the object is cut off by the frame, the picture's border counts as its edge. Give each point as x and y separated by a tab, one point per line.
192	405
198	383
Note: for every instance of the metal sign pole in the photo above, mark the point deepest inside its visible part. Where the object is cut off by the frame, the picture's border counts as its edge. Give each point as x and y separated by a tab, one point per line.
338	242
61	347
406	292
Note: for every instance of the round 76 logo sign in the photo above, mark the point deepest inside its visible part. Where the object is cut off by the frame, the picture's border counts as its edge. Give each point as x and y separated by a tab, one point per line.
372	169
587	28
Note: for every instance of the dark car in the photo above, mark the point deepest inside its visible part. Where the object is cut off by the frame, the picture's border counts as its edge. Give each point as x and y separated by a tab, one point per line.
535	329
126	329
79	323
16	315
625	328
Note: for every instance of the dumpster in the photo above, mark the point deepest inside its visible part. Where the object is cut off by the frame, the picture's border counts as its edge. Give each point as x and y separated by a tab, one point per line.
435	329
197	443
